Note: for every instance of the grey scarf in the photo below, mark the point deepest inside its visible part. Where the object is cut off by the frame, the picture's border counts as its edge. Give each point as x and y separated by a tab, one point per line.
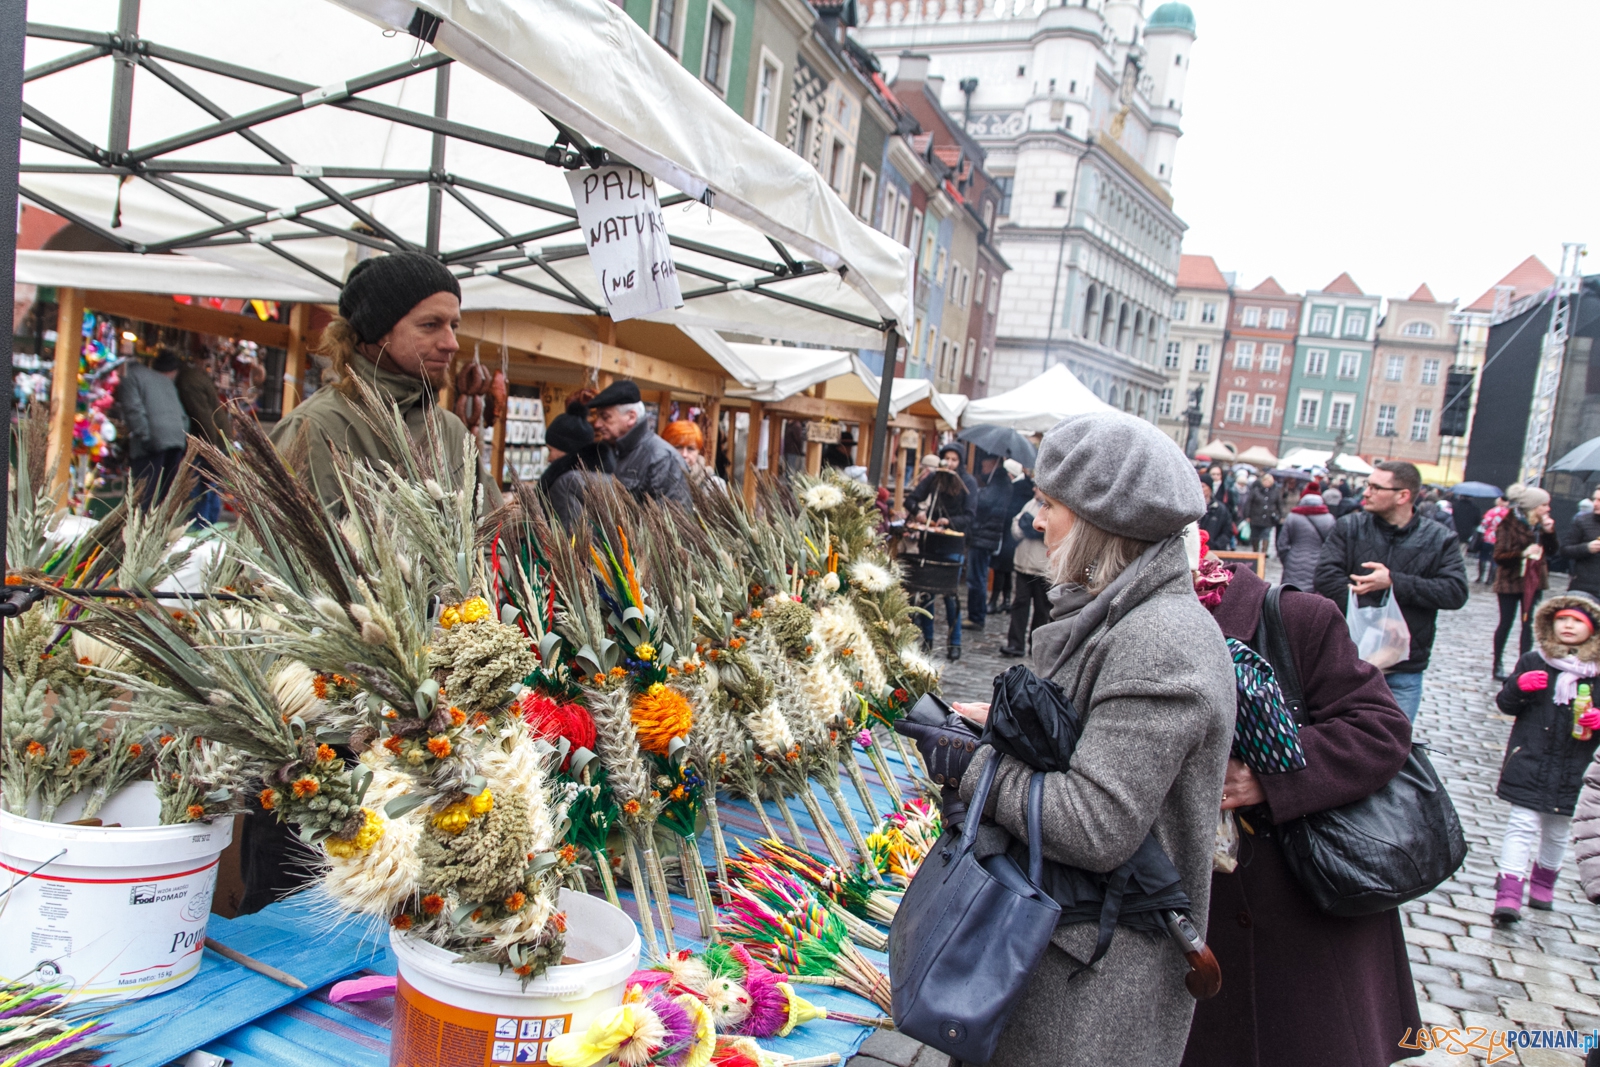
1080	614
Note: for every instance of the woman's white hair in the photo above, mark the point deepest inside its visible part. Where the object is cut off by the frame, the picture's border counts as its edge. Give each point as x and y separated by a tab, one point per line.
1091	557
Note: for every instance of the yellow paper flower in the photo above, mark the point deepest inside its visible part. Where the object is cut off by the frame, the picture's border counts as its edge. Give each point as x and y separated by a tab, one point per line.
482	804
646	651
801	1010
474	610
704	1042
370	834
604	1036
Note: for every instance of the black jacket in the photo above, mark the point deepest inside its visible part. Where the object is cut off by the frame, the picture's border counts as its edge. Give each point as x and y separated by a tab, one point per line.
1543	768
1424	561
1218	524
1575	546
1265	507
991	514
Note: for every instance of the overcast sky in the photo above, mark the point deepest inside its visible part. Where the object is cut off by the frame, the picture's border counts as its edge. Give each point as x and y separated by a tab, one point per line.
1400	140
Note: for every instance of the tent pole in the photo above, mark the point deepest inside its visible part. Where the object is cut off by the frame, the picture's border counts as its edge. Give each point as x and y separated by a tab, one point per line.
441	110
880	421
13	32
122	82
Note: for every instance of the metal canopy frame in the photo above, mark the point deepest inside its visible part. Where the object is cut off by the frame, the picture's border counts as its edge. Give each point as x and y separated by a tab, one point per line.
518	258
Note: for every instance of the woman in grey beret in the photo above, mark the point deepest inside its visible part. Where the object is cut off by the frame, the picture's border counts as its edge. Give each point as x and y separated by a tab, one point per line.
1149	673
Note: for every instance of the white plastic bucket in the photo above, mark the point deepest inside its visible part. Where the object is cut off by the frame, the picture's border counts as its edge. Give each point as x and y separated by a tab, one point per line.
122	912
444	1009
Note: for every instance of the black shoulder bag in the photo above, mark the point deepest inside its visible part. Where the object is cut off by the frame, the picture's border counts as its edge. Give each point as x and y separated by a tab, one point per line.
968	935
1380	851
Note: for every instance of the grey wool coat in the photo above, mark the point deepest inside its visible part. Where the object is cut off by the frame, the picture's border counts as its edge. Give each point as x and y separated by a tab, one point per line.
1154	685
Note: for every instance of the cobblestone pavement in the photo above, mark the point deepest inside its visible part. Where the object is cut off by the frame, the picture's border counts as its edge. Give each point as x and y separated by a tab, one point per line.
1542	973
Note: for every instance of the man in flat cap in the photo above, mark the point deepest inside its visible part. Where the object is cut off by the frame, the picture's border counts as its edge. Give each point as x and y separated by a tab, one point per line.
395	331
646	464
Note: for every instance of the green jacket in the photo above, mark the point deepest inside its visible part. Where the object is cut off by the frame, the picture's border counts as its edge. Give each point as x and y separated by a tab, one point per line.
208	418
331	421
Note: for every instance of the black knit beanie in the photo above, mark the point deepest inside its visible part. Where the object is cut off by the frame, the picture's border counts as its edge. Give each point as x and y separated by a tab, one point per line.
570	431
382	290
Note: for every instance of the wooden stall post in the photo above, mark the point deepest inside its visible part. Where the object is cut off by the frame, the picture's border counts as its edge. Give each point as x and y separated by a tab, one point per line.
751	450
64	388
294	364
713	430
776	427
863	441
897	457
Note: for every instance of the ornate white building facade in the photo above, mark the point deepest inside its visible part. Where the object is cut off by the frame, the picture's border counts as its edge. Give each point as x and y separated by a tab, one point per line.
1078	108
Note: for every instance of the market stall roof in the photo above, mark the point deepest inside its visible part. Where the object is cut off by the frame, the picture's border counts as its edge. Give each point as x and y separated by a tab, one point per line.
1306	458
1037	405
1216	450
128	272
286	146
776	372
1258	455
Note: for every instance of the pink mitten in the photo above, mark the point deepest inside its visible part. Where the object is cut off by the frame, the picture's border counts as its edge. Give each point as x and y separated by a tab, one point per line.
1590	719
1532	681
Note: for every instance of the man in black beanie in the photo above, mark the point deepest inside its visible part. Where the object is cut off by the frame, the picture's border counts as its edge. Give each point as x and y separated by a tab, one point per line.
647	465
396	332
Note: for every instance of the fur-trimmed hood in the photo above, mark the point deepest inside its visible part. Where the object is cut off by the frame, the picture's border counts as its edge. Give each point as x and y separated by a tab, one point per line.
1544	627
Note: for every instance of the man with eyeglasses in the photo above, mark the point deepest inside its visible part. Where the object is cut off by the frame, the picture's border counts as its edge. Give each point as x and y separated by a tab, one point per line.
1387	549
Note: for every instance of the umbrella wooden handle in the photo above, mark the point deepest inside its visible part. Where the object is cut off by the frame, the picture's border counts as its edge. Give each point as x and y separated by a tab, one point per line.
1204	979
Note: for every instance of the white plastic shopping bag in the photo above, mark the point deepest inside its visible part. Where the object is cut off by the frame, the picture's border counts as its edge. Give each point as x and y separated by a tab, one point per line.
1380	633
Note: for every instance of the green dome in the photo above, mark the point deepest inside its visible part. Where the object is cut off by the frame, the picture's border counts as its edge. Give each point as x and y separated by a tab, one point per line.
1171	17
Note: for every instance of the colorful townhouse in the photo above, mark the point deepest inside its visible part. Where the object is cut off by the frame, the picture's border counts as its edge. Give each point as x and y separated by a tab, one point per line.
1252	389
1333	362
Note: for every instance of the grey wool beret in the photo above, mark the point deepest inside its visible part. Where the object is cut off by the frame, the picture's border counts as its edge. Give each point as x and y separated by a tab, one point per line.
1119	473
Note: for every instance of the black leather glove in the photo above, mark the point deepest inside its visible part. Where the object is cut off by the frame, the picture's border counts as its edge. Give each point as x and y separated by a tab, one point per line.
946	749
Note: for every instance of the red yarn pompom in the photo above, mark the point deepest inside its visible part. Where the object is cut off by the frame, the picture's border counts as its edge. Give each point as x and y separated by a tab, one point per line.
549	720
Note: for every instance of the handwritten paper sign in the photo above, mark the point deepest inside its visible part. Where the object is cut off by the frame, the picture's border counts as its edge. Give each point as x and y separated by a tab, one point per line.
626	235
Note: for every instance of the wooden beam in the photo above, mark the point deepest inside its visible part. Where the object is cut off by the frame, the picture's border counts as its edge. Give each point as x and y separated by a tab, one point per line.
713	431
810	407
605	359
294	364
164	311
64	388
752	448
898	458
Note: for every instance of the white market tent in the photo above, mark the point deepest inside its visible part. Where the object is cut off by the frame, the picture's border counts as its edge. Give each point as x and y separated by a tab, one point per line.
1258	455
283	142
1035	406
778	372
1306	458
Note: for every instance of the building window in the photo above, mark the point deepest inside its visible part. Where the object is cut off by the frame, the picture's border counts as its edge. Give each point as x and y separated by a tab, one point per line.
1202	358
938	269
1236	403
933	342
1244	353
1339	414
1164	406
983	283
1250	317
972	356
1174	356
1316	362
1180	310
767	94
988	214
1421	423
1208	313
1310	409
1384	427
666	12
983	364
1271	358
930	237
1263	413
1349	364
1322	322
1430	372
1395	369
994	294
836	166
719	35
1418	329
1002	185
1355	325
944	358
802	143
1277	319
1061	198
864	189
916	228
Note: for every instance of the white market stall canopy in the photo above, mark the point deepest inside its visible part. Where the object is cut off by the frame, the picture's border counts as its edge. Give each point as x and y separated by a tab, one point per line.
777	372
1306	458
129	272
1037	405
285	140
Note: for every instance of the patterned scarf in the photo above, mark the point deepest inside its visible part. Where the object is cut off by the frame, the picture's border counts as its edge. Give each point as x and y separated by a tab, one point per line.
1211	581
1265	735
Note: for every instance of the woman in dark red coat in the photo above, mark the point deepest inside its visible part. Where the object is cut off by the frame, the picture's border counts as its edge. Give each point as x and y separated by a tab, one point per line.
1301	988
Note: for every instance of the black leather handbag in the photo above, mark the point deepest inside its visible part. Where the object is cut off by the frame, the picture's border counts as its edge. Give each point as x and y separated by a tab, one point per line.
1380	851
968	935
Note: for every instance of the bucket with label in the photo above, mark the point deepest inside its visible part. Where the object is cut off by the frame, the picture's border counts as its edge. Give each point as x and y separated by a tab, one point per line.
118	911
449	1014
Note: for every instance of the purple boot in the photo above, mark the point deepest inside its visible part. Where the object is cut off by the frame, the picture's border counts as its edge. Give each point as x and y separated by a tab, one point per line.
1542	887
1508	898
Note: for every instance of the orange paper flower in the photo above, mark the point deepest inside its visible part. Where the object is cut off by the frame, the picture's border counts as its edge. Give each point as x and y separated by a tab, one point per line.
432	904
516	901
268	798
439	745
194	811
457	716
306	787
77	756
36	750
326	754
401	922
135	750
660	714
